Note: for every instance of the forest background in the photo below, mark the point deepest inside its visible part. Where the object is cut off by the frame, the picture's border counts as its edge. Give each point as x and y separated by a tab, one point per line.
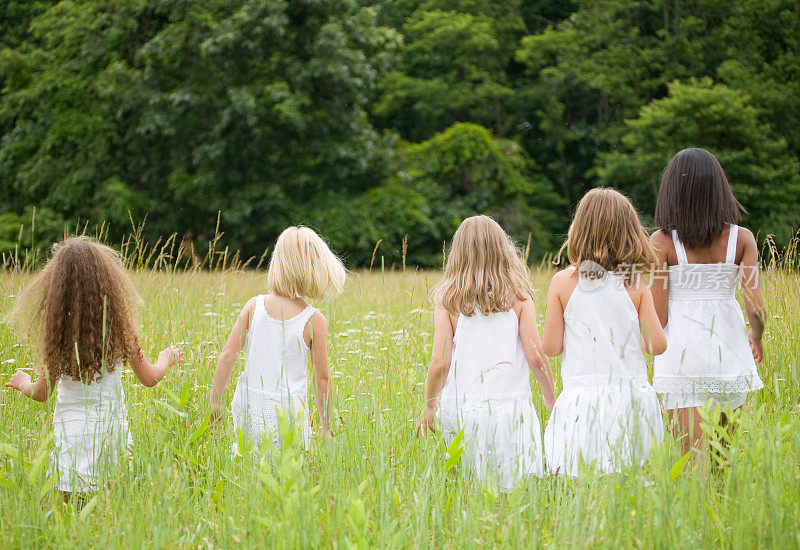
383	123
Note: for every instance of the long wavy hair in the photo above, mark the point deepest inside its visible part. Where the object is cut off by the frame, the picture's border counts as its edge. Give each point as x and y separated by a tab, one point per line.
79	312
606	230
484	270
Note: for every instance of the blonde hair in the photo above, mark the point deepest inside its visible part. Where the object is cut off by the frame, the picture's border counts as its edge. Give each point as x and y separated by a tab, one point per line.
484	270
302	266
606	230
80	311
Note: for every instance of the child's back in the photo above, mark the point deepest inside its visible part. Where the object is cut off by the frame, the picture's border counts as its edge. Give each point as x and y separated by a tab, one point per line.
79	311
600	315
488	359
281	330
488	393
601	336
708	351
276	360
607	412
485	344
90	429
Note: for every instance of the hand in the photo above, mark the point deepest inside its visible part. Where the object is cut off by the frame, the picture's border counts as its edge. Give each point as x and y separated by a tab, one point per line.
171	355
19	380
756	346
426	421
215	421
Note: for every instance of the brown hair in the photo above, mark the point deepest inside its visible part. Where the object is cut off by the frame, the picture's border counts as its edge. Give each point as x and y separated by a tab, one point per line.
695	199
484	270
606	230
80	311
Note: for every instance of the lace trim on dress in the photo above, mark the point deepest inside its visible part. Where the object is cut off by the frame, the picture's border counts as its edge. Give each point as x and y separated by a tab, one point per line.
686	385
260	414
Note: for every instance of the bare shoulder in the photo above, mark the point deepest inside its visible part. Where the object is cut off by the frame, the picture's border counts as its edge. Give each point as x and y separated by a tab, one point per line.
564	280
662	241
317	319
525	304
746	237
563	277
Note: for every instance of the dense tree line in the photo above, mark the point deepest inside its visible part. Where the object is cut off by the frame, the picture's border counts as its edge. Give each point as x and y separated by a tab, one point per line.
385	120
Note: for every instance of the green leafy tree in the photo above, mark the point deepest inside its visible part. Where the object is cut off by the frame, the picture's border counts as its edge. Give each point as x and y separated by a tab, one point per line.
178	110
763	174
458	173
453	68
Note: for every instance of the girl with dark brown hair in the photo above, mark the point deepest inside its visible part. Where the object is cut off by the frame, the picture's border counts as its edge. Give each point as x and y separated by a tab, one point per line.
702	257
80	314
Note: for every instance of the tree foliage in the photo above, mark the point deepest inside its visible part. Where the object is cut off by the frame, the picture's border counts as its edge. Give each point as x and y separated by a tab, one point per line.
366	118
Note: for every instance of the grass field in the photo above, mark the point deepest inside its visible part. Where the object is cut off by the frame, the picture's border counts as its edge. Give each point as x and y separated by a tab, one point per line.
375	484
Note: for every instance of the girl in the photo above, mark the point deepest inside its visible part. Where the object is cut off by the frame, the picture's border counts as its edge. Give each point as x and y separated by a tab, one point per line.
702	254
80	313
485	329
280	330
600	315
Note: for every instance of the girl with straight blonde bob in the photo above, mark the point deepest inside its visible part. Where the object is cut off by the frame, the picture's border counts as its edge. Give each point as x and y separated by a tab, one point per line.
485	345
484	271
282	331
302	266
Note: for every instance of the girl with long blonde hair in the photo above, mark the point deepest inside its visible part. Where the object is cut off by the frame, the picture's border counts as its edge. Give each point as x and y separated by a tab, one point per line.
485	345
600	315
281	329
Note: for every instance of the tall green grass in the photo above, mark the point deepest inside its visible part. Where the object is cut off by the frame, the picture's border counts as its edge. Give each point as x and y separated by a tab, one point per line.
375	484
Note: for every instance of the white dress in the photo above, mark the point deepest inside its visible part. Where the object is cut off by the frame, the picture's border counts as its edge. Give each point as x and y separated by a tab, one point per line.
488	393
90	431
607	413
274	376
708	355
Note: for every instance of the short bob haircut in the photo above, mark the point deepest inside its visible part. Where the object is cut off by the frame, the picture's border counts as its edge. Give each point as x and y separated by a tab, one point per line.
606	230
484	272
695	199
302	266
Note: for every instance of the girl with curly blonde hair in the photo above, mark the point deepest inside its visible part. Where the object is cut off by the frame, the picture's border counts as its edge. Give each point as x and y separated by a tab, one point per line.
79	312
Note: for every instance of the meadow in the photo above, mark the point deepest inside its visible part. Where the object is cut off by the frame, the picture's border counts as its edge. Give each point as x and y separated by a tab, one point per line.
375	484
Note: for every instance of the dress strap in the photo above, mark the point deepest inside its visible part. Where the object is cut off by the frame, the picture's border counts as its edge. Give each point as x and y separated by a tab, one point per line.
730	254
303	317
679	249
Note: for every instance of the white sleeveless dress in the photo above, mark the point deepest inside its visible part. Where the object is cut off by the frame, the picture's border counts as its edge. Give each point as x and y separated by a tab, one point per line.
607	413
708	355
488	394
274	377
90	431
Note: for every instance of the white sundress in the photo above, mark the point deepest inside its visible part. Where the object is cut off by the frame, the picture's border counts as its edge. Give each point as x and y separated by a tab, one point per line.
274	376
607	413
708	355
90	431
488	394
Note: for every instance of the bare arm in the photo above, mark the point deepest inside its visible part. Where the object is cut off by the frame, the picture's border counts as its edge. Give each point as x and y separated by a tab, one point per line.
660	275
532	346
40	390
150	375
227	357
653	340
751	288
553	341
318	327
439	367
